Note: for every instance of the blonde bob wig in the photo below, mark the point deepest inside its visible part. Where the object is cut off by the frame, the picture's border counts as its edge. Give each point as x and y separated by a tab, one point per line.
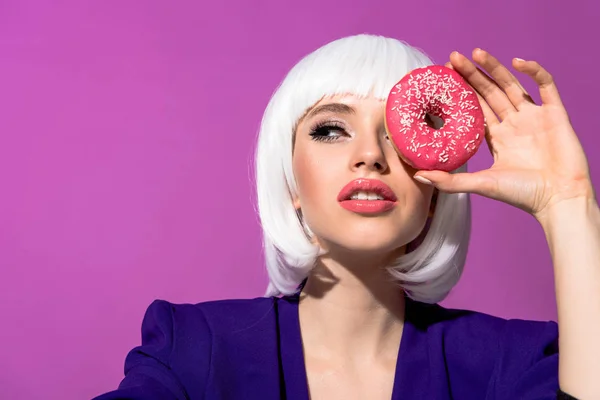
360	65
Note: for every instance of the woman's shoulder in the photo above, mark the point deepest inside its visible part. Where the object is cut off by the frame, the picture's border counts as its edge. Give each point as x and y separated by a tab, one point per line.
462	323
214	315
509	354
184	344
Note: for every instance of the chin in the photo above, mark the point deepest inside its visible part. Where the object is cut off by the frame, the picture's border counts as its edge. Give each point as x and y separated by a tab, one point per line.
374	247
367	244
368	237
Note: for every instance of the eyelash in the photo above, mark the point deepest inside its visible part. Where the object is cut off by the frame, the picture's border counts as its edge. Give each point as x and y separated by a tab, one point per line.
321	130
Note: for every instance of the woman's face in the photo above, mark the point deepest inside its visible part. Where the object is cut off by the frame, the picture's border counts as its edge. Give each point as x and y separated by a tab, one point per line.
341	141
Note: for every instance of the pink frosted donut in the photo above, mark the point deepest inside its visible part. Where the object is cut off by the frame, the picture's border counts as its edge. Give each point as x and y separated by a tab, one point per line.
440	92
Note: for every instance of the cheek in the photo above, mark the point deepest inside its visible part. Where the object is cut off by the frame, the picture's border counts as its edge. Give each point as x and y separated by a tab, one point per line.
312	178
422	195
423	206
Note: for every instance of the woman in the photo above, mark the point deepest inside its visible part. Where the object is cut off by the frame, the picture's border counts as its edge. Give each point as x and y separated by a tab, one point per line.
357	317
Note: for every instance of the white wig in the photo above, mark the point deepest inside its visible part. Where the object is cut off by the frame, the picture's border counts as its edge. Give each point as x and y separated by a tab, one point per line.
361	65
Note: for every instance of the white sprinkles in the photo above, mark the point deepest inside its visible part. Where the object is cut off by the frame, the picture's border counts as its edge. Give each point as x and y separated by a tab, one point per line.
443	96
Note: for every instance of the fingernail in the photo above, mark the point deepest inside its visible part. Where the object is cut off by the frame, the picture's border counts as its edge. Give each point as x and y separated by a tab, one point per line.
519	59
422	180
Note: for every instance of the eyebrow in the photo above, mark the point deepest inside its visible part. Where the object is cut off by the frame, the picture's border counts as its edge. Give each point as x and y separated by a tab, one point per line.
337	108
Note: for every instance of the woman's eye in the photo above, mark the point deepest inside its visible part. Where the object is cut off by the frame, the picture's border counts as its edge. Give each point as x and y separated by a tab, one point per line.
327	133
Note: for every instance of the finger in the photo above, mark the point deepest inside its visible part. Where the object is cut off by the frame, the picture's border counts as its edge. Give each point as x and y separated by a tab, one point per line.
526	94
488	114
489	90
545	81
466	182
504	78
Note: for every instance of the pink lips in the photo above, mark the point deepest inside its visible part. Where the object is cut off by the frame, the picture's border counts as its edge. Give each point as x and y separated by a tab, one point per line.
367	206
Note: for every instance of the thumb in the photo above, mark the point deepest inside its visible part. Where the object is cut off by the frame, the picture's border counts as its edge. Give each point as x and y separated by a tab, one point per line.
465	182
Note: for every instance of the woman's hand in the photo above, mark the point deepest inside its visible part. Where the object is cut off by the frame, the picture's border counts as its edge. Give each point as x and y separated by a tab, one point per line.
538	160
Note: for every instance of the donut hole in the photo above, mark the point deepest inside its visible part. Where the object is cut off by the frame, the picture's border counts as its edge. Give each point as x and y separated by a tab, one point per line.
433	121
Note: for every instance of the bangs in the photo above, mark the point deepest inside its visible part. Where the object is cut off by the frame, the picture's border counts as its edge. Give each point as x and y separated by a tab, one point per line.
363	65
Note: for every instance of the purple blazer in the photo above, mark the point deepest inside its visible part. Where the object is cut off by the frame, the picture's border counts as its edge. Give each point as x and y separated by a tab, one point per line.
252	349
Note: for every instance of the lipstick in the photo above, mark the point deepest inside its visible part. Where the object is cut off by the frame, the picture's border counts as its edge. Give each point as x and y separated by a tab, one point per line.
367	196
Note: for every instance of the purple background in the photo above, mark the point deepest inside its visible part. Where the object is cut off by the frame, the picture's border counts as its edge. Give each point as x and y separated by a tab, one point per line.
127	131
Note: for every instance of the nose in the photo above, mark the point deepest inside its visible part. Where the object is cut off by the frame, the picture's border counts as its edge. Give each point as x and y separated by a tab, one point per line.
370	152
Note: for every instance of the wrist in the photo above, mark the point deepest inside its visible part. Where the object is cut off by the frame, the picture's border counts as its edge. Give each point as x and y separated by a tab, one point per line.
567	213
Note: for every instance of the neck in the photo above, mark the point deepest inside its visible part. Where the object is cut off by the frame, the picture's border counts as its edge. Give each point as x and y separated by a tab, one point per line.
351	310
